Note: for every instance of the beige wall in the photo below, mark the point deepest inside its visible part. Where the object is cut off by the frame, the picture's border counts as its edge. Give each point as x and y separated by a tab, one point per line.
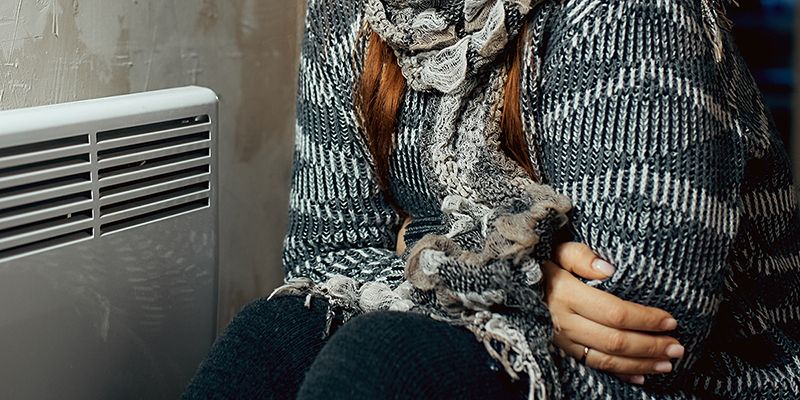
54	51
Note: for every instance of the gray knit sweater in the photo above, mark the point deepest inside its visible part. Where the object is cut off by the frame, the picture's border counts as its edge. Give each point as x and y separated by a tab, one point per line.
650	123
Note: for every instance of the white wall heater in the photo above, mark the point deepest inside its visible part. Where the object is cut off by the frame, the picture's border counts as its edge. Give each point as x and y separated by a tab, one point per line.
108	245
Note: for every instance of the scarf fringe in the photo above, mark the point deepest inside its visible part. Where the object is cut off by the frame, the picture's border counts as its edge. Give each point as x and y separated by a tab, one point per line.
340	292
515	353
493	330
716	21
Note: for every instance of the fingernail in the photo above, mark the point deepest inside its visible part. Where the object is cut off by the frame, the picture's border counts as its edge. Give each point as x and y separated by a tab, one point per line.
669	324
675	351
638	379
603	266
663	366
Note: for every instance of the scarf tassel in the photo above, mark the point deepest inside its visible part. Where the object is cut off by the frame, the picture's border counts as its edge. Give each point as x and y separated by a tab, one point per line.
716	21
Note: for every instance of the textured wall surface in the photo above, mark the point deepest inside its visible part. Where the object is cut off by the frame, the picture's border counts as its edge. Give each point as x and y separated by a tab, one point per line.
54	51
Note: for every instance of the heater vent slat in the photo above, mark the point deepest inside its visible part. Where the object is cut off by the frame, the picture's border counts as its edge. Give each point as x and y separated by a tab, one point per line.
29	213
44	171
45	193
147	171
153	153
137	211
44	146
140	130
43	230
151	136
155	216
13	160
153	187
143	202
47	244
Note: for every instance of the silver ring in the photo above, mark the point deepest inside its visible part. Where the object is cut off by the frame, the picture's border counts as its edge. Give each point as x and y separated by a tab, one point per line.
585	353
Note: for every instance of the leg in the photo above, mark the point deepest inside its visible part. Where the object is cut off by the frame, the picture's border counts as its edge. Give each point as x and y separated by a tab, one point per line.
392	355
264	352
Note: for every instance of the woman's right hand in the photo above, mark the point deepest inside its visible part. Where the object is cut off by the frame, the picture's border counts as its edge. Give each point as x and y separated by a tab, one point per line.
623	337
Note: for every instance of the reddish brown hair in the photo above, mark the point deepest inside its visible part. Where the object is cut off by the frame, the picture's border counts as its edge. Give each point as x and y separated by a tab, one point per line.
380	93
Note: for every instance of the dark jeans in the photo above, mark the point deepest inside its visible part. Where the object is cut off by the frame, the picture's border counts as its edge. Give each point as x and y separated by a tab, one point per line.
275	350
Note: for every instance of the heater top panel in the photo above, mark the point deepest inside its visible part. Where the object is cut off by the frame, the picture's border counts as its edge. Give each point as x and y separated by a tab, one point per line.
28	125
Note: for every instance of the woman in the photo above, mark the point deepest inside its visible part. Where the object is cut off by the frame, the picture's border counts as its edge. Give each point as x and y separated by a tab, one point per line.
499	128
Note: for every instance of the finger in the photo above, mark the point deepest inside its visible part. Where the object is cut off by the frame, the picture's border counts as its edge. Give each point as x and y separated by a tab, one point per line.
619	342
618	364
609	310
582	261
635	379
565	292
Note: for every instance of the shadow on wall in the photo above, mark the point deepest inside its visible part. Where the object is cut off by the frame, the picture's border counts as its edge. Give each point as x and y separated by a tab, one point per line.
246	50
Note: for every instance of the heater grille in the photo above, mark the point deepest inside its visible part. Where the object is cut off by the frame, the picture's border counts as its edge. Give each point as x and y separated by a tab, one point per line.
45	194
84	170
153	171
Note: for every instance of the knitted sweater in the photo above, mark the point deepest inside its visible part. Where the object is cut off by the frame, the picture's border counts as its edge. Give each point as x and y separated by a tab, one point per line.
644	114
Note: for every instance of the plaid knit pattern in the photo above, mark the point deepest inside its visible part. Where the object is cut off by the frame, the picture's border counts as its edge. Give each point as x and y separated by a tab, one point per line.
666	149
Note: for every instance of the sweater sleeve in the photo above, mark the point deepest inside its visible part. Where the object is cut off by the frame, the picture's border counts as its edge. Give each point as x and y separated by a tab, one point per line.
637	115
754	347
339	222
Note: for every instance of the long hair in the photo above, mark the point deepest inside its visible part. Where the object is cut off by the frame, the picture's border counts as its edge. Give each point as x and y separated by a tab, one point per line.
380	93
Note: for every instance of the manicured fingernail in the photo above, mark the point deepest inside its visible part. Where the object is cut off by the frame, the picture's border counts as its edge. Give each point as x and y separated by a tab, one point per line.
603	266
669	324
675	351
637	379
663	366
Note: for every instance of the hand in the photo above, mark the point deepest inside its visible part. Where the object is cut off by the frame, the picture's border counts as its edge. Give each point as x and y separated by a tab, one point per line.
616	331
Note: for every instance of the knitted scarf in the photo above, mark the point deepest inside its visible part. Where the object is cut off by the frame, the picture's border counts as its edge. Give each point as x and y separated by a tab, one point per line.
484	272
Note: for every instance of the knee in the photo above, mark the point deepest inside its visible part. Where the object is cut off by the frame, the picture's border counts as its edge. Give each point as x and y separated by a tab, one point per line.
364	359
384	353
386	343
277	320
405	353
388	332
265	310
263	352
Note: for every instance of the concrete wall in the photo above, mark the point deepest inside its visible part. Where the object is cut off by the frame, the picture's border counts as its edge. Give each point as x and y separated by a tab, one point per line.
54	51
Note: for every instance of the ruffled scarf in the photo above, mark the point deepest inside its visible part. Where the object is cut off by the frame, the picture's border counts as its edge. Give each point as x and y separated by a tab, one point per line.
484	273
